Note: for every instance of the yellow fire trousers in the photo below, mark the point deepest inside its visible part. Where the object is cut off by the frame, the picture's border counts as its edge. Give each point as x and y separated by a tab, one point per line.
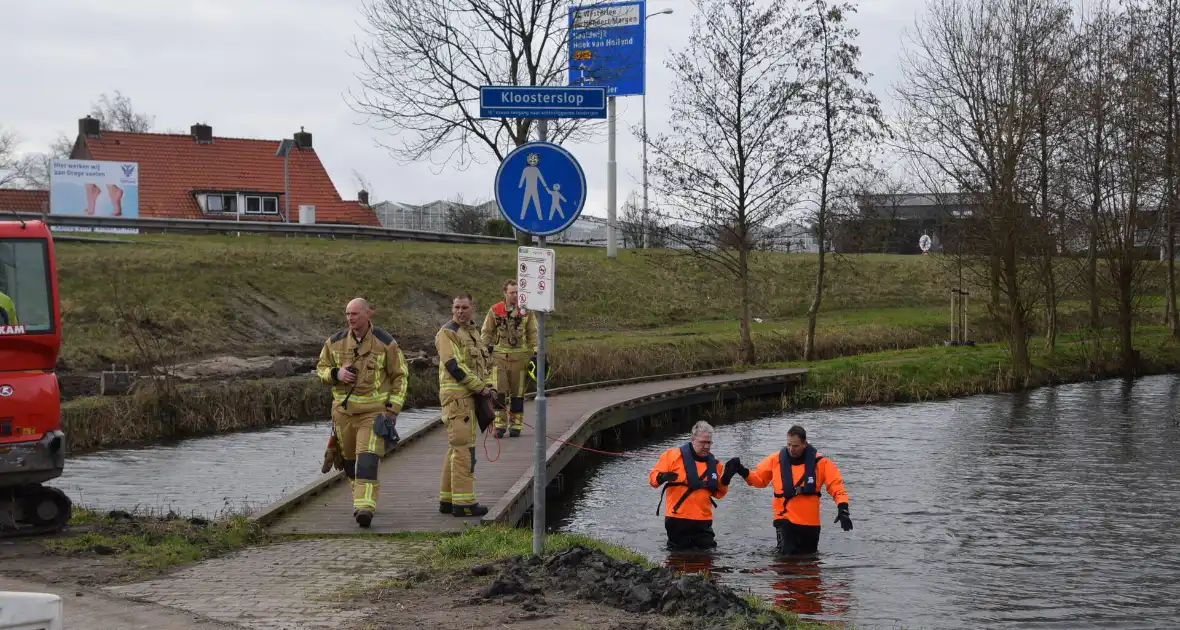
510	371
362	449
457	485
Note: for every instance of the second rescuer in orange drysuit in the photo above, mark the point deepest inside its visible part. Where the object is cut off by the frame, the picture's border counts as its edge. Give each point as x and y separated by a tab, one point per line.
692	478
796	504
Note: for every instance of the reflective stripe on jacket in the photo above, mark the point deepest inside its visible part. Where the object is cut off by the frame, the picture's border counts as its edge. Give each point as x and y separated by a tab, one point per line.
381	379
464	367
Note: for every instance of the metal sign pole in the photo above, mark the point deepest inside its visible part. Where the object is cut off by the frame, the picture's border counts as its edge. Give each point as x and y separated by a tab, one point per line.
539	471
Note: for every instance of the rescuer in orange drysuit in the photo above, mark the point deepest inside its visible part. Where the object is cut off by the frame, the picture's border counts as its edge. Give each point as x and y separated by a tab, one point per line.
510	333
688	515
796	511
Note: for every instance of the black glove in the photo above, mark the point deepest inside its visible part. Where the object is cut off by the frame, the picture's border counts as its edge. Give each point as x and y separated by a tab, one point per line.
733	467
665	477
842	517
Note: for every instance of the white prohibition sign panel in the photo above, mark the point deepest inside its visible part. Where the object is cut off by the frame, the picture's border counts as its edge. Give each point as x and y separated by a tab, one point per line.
535	278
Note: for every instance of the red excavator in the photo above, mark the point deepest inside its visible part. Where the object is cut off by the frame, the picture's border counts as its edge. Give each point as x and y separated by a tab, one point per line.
32	444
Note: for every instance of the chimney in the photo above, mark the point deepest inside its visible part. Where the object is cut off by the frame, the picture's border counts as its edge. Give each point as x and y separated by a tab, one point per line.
89	126
363	197
202	133
303	139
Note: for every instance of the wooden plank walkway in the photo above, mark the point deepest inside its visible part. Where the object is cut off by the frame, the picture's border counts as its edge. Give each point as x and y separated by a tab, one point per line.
409	476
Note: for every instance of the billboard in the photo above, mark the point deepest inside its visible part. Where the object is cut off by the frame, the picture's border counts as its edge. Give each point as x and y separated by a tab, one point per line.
607	47
90	188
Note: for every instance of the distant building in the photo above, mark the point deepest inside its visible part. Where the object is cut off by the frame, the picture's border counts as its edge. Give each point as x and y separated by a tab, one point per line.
894	223
202	176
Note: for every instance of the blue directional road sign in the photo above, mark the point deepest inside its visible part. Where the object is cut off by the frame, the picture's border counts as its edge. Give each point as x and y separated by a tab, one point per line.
549	101
606	46
540	188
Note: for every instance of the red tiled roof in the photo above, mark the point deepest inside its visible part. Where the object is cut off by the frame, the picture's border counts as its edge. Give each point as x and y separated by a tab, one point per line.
22	200
172	166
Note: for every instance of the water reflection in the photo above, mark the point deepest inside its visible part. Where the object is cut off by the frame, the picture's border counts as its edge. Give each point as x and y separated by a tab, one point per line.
1050	508
210	475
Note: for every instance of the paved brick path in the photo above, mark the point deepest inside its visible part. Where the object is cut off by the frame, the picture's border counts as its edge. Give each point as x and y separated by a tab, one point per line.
87	609
285	586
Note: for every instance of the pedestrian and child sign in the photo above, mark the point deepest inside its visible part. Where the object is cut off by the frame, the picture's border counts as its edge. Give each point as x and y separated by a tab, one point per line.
528	170
541	101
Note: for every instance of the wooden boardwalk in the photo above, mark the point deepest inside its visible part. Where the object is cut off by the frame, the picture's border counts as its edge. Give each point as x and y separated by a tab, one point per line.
409	475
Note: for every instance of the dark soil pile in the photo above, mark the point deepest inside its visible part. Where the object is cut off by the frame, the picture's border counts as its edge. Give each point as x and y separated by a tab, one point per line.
592	575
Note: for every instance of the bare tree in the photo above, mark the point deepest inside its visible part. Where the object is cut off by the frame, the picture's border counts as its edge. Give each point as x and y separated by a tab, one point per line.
969	101
427	60
464	218
1088	151
1133	176
848	114
1165	23
733	160
118	114
631	224
10	175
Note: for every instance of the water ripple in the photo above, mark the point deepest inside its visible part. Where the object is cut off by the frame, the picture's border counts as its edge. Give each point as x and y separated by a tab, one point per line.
1056	508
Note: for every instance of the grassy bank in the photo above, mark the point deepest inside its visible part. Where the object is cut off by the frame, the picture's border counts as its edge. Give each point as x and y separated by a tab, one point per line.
214	295
145	544
943	372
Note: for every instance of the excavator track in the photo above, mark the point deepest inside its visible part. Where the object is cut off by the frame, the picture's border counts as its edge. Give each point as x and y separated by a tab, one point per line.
33	510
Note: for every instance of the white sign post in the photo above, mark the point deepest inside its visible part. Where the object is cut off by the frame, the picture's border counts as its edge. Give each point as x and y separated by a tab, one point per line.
535	269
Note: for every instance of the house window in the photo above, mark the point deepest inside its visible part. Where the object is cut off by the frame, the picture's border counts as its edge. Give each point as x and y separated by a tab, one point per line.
220	203
264	205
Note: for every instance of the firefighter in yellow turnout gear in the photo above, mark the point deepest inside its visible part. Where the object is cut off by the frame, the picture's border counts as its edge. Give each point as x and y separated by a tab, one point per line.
510	334
464	372
368	375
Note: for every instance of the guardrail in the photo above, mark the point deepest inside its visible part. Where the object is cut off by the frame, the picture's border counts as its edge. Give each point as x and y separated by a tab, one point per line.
81	223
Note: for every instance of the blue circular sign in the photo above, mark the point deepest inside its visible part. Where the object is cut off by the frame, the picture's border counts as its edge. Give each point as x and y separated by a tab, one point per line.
540	188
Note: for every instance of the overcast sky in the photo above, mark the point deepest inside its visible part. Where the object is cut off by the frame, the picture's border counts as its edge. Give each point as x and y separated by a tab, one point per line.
263	68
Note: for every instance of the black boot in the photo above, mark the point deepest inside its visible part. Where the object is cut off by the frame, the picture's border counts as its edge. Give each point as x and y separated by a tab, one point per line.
514	433
468	510
499	433
444	507
363	517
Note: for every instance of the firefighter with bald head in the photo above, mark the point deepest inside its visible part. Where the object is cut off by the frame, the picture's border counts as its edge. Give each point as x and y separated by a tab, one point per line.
510	334
692	479
796	501
464	373
367	372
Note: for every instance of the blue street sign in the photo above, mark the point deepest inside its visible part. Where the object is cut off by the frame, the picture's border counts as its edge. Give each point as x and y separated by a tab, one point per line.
549	101
540	188
607	44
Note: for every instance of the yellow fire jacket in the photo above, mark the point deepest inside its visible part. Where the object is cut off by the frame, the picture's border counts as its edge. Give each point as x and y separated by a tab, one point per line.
464	366
508	331
381	378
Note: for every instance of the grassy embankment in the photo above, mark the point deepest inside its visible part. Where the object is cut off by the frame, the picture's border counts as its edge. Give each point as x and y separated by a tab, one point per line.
173	299
145	546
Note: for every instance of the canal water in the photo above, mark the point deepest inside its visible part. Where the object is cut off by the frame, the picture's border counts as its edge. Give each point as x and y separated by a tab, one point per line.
1056	508
209	476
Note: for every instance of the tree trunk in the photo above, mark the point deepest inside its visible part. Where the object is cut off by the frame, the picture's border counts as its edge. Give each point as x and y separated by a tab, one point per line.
1126	341
813	310
1050	307
747	340
1017	337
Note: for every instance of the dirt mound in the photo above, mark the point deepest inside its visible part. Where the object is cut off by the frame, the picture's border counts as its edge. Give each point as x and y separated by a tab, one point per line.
591	575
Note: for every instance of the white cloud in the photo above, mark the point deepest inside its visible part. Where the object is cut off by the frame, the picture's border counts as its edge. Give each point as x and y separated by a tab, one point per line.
263	68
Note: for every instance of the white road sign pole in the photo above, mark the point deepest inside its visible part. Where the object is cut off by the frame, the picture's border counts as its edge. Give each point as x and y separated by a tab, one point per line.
535	286
539	459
